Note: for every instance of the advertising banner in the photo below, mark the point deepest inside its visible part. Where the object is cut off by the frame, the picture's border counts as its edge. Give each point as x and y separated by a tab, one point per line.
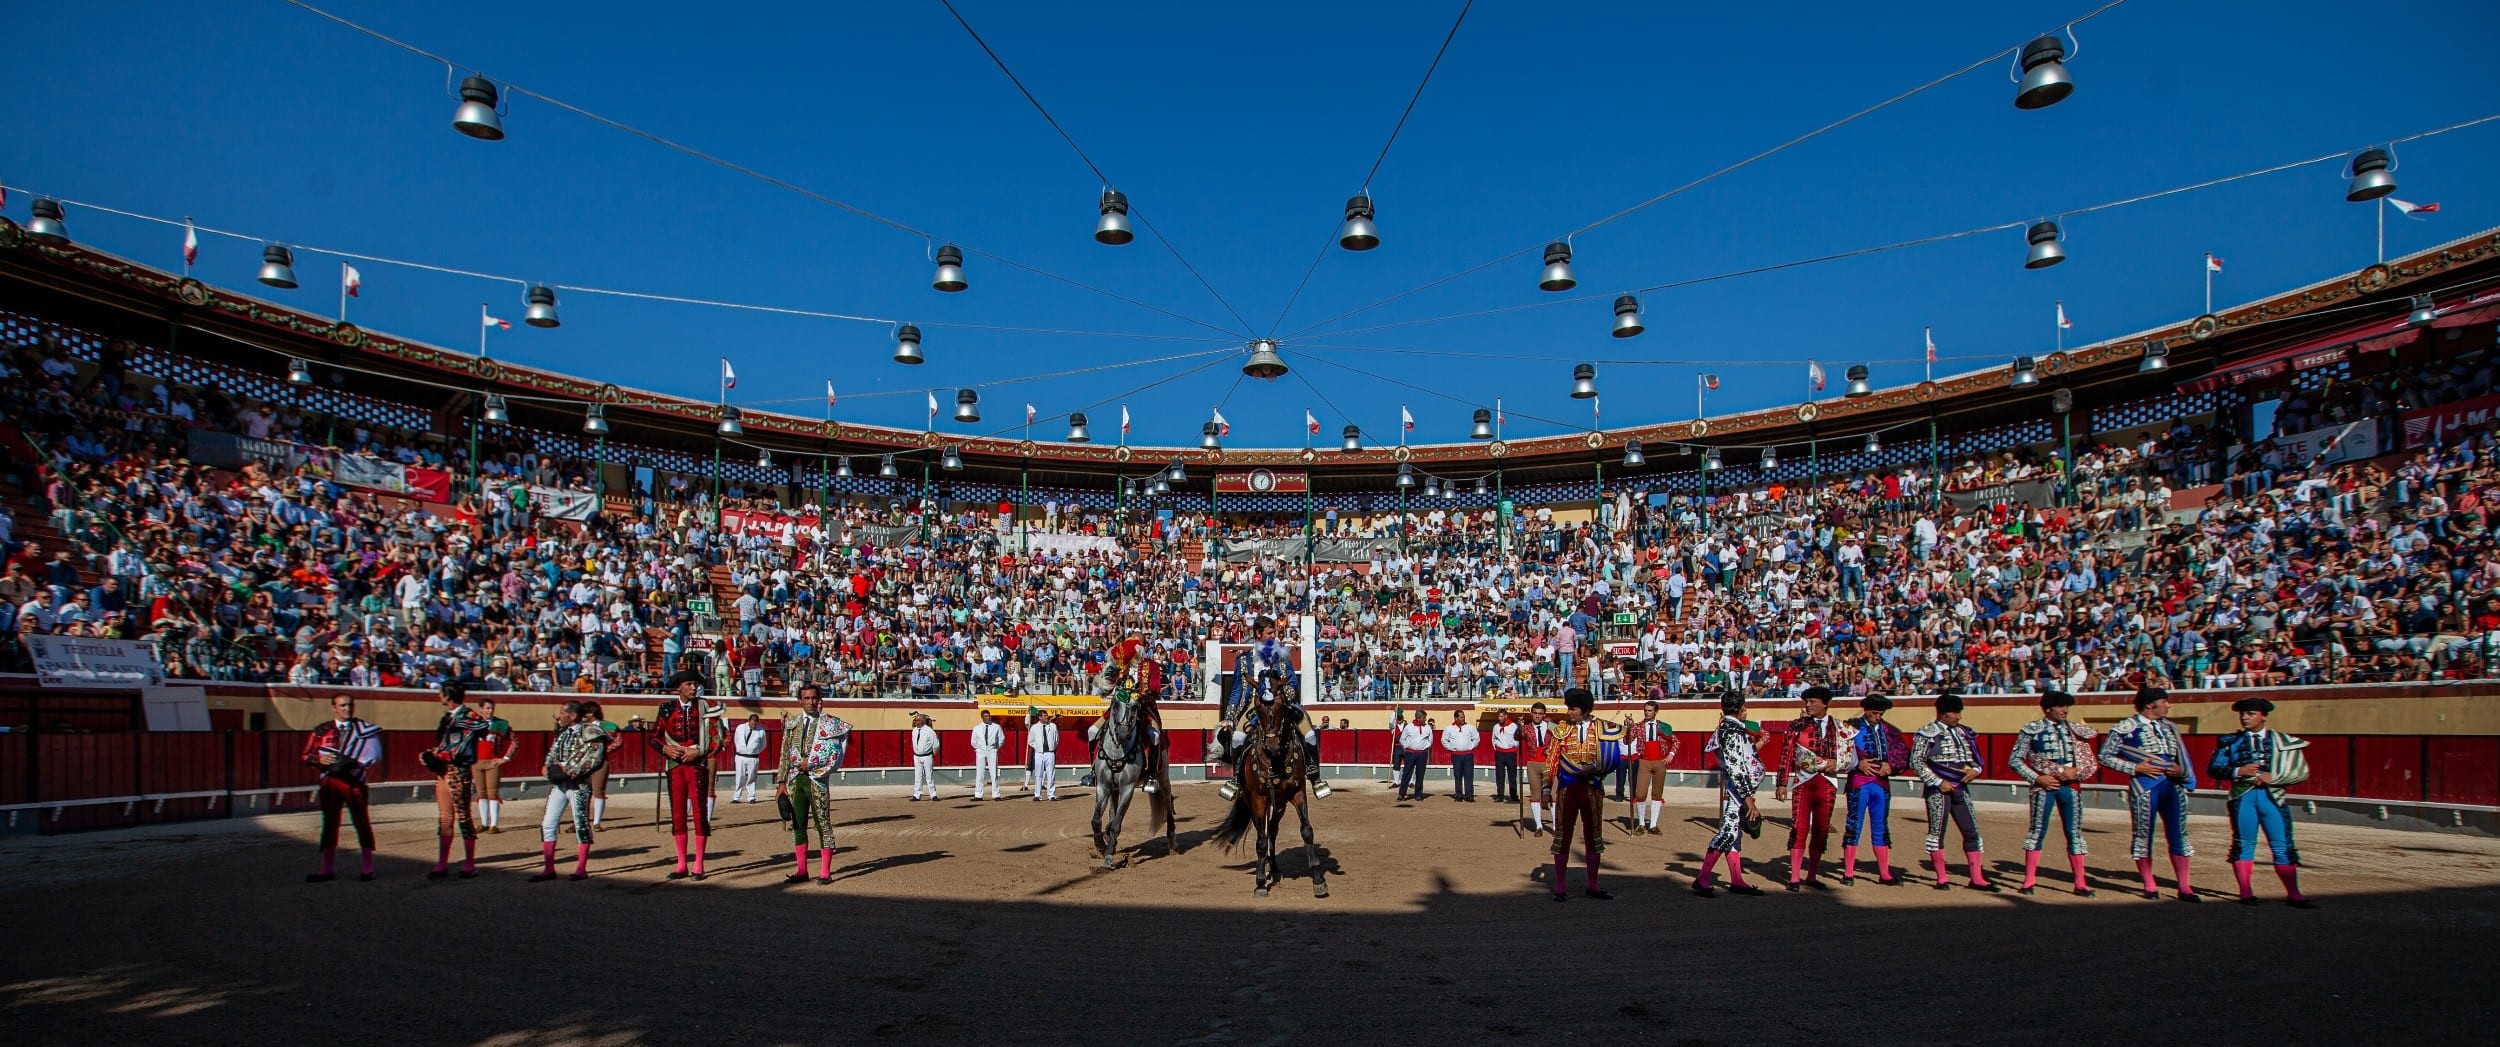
80	661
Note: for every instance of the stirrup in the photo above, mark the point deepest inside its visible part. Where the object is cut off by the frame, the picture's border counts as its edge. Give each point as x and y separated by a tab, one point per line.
1147	787
1228	790
1319	788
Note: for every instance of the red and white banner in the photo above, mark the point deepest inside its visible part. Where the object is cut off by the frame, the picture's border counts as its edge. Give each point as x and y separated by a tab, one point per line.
744	522
2427	425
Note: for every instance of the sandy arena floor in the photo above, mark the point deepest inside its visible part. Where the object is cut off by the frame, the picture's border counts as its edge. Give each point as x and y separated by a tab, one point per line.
961	922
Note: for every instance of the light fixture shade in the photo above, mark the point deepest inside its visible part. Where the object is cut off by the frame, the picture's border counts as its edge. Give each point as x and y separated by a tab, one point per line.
967	405
2062	401
2045	248
496	411
2045	81
1113	229
842	467
48	224
1162	486
1483	428
299	372
542	307
763	458
1710	460
1178	473
1480	487
950	269
1583	382
1406	475
2373	175
1264	364
1449	491
1557	275
277	267
2026	373
1077	433
2423	312
1207	437
476	116
595	419
1632	456
1353	439
952	460
1128	488
1432	486
907	345
731	422
1861	381
1628	317
1359	234
1770	459
885	468
2156	357
1874	443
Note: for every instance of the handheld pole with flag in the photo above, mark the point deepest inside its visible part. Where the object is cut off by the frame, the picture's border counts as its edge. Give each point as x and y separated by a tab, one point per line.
191	245
351	283
2212	265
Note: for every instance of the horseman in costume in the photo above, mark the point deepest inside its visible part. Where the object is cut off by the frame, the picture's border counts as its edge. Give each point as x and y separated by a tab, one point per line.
1266	686
1136	677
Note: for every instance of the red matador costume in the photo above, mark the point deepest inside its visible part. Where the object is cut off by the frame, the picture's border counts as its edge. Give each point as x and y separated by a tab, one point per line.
341	750
1821	750
698	728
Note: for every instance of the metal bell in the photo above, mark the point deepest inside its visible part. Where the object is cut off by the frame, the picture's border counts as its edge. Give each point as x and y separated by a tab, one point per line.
2423	313
952	460
885	468
48	224
2373	175
476	116
1264	364
1583	382
1628	317
595	419
496	412
1406	475
967	405
2045	249
1557	275
1077	433
907	345
1207	437
842	468
1113	229
1859	382
2156	357
2026	373
1632	456
1353	439
2045	81
729	422
542	307
950	269
1483	429
1359	233
299	372
1874	444
277	267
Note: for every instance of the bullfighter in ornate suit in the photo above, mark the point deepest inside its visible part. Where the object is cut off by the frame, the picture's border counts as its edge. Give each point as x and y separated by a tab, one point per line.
2260	763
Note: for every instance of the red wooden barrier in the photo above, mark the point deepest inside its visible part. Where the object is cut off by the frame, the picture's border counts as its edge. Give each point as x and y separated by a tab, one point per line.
2463	770
2387	768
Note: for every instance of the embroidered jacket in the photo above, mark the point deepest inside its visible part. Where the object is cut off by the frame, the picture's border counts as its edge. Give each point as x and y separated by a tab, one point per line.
1878	741
357	743
1940	753
2138	737
2279	753
2048	743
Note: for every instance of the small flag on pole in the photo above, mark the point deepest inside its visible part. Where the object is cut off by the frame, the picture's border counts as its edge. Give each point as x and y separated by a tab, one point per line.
2212	264
728	374
1814	374
1222	427
933	408
191	242
2063	324
1406	419
351	280
829	397
1710	381
2414	210
490	320
1310	421
1594	415
1028	412
1124	419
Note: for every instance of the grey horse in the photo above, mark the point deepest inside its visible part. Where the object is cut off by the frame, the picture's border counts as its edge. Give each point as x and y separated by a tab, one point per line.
1121	756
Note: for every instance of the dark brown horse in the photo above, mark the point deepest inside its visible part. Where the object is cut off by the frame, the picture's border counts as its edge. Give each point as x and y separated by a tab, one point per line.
1271	776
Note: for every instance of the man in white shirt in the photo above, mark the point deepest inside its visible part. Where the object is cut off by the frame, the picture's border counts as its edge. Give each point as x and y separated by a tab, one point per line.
1459	739
1042	739
986	738
1415	750
748	740
1505	759
924	748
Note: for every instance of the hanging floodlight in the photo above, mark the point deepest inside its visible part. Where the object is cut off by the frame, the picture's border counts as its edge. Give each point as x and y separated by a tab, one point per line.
496	411
1557	276
907	345
967	405
885	468
1113	229
2045	248
1128	489
1710	460
298	372
1632	457
1770	459
1162	487
1178	473
1432	486
842	467
48	224
1077	433
1483	429
1359	233
478	116
1874	443
950	269
951	460
595	419
763	458
1480	488
1353	439
2044	82
730	425
1860	383
1583	382
277	267
2156	357
1449	491
542	307
2026	374
1628	317
1406	475
2423	313
1207	437
2373	175
1264	364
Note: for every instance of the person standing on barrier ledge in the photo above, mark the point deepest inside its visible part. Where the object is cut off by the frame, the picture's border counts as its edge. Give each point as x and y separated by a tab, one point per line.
1882	752
2146	747
2054	754
342	749
454	753
2260	763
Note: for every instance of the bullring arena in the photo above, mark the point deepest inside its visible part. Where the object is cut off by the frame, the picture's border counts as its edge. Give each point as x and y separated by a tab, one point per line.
2005	647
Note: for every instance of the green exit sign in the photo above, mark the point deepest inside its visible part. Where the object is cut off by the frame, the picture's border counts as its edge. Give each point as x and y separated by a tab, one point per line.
1626	618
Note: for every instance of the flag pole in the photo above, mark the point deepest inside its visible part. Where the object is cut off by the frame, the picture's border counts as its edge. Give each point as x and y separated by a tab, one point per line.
481	330
2061	325
2382	232
481	325
2209	283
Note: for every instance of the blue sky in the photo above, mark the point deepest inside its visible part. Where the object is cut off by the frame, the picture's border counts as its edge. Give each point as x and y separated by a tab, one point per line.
1240	130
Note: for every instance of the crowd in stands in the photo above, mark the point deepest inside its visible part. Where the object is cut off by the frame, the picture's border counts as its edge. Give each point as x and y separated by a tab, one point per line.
2295	573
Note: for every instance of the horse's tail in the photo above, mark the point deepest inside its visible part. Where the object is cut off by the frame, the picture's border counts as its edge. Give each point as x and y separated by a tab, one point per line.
1228	835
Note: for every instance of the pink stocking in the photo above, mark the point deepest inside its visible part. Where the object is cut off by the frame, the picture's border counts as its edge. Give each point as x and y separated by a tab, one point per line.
1936	858
681	851
2076	860
2031	869
442	853
1883	862
2179	865
2290	875
1709	868
1849	861
2244	872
